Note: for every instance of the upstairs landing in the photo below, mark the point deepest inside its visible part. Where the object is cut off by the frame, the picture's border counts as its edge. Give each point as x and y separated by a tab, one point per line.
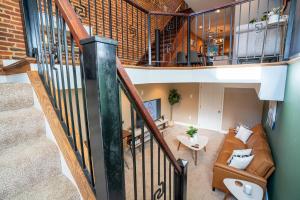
268	78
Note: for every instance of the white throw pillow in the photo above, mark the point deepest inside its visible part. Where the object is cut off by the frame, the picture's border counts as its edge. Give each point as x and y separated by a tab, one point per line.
240	162
243	134
239	153
237	128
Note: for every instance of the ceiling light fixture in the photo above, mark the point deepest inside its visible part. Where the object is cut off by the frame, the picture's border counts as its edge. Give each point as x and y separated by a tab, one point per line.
217	11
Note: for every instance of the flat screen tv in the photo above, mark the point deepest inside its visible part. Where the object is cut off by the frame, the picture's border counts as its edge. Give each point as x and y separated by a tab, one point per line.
154	108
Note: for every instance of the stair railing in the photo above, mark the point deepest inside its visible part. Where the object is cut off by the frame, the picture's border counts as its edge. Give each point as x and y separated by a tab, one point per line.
83	78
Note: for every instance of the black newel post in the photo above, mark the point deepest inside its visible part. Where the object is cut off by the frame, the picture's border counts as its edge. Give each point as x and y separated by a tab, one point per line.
104	116
189	40
157	46
180	181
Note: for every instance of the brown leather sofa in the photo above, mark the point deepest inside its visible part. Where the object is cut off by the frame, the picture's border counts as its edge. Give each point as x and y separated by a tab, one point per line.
258	171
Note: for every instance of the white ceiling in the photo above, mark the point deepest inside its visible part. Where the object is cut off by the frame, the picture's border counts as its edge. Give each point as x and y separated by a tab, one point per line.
198	5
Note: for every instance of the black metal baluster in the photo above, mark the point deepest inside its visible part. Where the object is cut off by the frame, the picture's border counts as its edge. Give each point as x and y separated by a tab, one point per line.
158	164
103	19
163	27
176	40
83	86
170	181
59	51
78	116
45	45
122	28
231	35
133	34
58	92
149	40
68	77
140	52
224	31
277	33
143	160
247	41
52	48
239	33
127	40
145	36
110	18
133	151
89	16
96	16
182	47
196	31
165	178
257	19
41	47
52	65
137	32
151	166
203	39
265	37
117	28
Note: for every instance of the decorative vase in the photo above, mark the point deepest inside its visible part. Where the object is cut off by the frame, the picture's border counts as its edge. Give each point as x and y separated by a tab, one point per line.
273	19
193	139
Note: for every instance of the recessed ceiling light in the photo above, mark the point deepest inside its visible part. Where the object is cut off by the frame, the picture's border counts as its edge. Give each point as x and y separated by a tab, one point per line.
217	11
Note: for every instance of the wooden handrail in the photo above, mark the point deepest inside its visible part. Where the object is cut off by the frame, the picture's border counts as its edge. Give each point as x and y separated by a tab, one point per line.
137	6
222	6
79	33
168	13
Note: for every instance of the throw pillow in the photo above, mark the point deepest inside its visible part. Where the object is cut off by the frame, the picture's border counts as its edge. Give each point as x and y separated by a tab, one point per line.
237	128
243	134
239	153
240	162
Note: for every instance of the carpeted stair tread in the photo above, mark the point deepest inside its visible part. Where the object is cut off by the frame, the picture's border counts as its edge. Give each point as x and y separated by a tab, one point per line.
55	188
27	164
15	96
18	126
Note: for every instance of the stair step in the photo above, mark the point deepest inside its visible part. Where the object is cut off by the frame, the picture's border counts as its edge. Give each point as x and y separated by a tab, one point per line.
19	126
15	96
56	188
27	164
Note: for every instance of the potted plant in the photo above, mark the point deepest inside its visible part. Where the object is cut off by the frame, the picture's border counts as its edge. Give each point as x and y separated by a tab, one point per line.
274	15
192	131
174	97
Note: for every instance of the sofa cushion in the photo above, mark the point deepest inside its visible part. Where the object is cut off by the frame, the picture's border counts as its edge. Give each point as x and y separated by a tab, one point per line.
262	163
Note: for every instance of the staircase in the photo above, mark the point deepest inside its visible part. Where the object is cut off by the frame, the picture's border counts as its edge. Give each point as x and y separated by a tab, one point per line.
30	165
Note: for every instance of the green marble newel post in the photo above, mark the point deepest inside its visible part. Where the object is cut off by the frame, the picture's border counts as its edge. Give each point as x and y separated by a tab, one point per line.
104	116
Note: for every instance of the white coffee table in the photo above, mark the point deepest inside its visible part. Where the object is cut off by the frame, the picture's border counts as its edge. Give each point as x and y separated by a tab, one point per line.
236	186
196	145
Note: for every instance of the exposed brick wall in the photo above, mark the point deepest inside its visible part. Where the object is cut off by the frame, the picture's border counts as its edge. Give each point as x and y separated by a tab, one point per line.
12	44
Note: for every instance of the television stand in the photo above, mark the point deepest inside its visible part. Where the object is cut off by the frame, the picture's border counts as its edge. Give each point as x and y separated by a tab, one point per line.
162	125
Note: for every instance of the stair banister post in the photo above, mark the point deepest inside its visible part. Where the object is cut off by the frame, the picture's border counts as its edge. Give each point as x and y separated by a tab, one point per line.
149	41
157	47
104	116
189	40
180	181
